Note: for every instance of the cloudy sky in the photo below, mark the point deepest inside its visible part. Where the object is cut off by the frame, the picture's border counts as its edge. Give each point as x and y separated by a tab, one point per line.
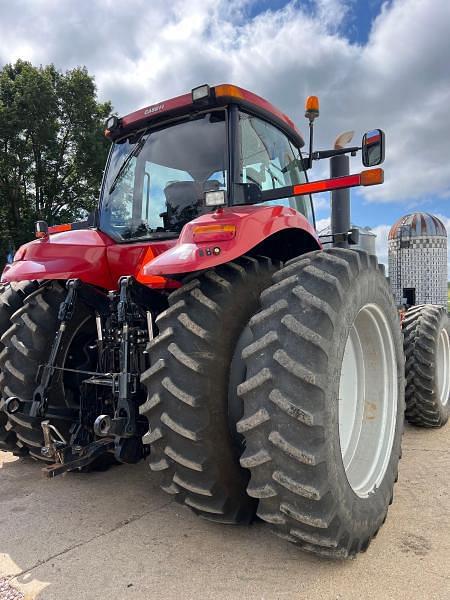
373	63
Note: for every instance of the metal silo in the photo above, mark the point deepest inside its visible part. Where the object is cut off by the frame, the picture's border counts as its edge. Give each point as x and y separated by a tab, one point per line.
418	260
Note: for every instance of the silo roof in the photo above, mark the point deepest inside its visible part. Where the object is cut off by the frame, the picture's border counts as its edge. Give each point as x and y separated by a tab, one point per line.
418	224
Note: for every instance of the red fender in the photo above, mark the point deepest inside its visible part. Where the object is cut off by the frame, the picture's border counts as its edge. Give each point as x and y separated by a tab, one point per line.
87	254
247	227
70	254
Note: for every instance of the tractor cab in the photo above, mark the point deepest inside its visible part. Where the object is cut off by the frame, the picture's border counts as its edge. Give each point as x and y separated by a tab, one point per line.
193	182
175	161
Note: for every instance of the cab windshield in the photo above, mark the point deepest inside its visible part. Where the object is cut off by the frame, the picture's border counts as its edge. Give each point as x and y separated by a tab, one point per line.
156	180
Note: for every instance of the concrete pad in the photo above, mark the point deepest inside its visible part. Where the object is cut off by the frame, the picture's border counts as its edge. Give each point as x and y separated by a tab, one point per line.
115	535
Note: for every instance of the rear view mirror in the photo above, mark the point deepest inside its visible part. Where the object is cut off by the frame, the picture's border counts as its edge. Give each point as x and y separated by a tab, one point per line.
373	148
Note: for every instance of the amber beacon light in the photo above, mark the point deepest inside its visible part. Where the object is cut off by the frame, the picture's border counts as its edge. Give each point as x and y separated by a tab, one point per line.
312	107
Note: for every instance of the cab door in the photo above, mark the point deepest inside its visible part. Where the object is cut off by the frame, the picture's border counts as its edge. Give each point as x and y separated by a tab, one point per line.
269	159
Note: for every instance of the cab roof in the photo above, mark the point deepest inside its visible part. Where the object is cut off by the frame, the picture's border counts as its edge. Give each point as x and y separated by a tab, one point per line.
219	95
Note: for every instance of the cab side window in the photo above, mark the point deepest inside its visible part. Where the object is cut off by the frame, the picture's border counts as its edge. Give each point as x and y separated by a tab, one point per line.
270	160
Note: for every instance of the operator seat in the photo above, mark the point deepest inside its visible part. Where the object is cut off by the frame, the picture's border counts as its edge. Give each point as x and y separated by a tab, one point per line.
184	202
183	199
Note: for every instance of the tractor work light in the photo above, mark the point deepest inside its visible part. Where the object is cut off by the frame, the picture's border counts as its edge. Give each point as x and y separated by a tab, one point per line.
41	230
200	93
216	198
213	233
111	124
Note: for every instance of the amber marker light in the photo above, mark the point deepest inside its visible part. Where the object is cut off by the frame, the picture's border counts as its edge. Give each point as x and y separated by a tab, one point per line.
60	228
230	91
213	233
372	177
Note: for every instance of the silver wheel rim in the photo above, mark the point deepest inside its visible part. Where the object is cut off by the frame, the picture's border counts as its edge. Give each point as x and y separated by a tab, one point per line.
368	400
443	367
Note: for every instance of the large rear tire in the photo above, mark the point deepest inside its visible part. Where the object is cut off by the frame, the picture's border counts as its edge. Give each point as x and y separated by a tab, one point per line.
426	332
12	296
324	402
190	407
27	344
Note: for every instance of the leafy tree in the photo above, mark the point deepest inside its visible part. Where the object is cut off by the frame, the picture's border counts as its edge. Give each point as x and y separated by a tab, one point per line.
52	148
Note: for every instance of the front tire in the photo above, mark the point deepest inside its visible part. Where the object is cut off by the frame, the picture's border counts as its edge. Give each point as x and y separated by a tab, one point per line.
426	332
323	445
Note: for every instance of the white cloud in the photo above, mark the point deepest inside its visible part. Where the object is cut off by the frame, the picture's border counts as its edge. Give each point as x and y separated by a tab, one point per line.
321	203
322	224
142	52
381	243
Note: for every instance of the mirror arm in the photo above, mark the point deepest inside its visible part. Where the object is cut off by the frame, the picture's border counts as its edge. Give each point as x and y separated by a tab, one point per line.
320	154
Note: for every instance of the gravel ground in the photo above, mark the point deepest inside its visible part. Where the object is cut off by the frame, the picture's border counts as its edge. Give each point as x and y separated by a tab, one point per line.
7	592
116	536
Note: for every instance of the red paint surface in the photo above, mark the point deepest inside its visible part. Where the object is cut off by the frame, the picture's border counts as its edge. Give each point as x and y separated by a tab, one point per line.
147	114
127	259
87	254
155	110
264	105
324	185
59	228
93	257
253	225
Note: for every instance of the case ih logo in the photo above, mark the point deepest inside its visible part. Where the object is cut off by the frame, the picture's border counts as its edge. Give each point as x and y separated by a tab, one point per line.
152	109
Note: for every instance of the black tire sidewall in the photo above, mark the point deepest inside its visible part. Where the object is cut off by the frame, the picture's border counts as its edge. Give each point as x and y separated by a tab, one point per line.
368	288
39	343
423	325
444	409
220	302
291	402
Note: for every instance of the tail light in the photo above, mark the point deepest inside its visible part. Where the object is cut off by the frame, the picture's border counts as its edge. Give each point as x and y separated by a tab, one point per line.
214	233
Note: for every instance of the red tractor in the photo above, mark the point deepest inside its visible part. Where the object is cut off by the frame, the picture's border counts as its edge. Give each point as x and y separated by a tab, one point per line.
194	318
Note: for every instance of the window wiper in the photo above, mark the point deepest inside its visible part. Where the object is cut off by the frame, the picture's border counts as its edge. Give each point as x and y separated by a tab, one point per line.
134	152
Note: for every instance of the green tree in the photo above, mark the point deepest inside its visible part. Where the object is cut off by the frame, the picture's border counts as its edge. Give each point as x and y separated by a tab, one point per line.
52	148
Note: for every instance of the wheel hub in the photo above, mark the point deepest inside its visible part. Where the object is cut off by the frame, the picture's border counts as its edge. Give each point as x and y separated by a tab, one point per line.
443	367
367	400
